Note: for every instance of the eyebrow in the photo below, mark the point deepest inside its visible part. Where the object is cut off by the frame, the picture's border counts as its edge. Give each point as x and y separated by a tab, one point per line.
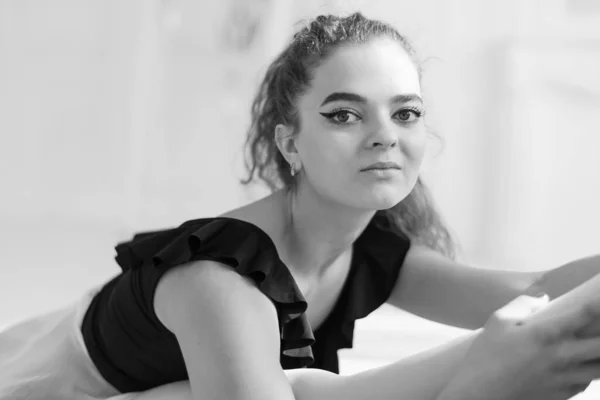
353	97
407	98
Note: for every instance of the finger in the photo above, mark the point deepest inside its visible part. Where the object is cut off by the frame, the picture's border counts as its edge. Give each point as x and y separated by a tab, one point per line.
566	324
580	351
592	330
585	316
582	375
575	389
586	293
522	307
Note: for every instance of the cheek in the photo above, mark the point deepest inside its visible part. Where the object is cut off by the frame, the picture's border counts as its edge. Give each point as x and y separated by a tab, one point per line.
329	160
326	152
414	149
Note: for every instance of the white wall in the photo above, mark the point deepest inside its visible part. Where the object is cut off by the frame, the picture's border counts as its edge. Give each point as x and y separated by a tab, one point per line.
117	116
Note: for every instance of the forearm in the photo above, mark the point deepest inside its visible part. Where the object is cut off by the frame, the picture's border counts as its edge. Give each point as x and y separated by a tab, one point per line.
421	376
563	279
431	375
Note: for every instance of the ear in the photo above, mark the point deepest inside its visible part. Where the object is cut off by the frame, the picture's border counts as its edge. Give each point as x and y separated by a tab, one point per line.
286	143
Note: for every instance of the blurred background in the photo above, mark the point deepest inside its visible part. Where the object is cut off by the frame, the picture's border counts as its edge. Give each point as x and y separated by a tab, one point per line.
120	116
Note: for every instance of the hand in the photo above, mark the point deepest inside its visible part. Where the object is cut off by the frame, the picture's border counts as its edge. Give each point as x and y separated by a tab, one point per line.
523	353
584	295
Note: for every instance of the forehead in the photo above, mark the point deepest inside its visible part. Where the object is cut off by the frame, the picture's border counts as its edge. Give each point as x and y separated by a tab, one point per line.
380	68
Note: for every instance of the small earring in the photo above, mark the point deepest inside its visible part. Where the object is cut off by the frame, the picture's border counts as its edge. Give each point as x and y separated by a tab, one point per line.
292	170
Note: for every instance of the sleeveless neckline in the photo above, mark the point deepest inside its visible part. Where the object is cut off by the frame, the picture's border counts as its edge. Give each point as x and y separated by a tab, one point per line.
377	256
271	243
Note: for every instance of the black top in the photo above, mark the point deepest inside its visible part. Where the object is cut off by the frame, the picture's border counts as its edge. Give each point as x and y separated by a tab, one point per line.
134	351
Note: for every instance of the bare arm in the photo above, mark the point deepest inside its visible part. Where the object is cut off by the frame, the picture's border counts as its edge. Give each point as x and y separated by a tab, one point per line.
559	281
421	376
228	334
542	359
436	288
227	330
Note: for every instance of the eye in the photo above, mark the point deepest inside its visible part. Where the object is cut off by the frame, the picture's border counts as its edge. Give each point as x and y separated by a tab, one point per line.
409	114
341	116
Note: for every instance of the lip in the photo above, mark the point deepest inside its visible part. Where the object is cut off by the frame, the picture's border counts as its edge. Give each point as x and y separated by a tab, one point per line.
382	165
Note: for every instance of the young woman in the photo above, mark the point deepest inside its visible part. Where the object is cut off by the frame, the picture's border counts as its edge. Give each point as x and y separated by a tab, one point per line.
233	307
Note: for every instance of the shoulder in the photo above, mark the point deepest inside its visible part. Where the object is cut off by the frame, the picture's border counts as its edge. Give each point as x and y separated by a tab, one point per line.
211	289
218	270
226	328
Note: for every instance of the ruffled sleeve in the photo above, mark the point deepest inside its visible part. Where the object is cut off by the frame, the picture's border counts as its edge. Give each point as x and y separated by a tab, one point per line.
242	246
378	257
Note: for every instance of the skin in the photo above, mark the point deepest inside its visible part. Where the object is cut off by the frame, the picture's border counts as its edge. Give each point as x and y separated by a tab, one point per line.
313	231
215	314
535	349
334	200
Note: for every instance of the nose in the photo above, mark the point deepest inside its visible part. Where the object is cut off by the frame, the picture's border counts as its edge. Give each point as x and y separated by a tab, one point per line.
385	143
384	137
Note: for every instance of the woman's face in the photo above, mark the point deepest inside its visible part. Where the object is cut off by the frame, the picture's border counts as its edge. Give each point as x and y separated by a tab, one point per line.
363	107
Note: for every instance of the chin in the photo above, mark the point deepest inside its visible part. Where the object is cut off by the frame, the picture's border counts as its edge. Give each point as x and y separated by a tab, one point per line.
385	205
382	199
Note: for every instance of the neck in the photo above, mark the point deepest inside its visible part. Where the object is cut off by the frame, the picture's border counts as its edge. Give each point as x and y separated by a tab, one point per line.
319	230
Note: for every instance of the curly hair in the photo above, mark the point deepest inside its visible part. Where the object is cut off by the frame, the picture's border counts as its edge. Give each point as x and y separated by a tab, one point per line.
287	77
